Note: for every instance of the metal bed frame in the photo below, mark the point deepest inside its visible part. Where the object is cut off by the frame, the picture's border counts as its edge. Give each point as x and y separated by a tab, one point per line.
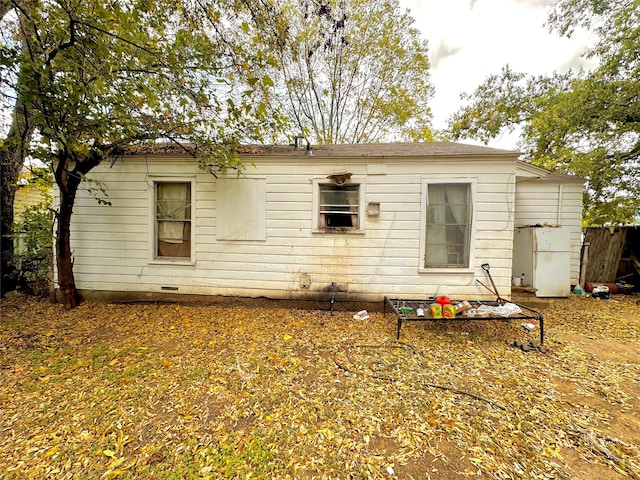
397	304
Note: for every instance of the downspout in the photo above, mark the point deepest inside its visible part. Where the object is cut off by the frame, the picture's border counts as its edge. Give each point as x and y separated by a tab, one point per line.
559	216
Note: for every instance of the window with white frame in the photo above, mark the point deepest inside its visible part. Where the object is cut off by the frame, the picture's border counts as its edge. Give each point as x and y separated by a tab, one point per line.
447	223
339	207
173	220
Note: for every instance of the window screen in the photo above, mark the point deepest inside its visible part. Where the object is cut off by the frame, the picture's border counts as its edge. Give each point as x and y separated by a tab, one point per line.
448	225
173	219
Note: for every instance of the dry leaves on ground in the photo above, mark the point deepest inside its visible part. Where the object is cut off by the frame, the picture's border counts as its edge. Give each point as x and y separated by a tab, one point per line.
178	391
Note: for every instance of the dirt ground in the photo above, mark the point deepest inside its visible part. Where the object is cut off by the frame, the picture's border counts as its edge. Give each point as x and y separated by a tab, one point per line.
622	424
261	389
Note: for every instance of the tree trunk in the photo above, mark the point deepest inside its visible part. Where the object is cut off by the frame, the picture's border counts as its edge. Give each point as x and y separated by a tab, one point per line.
69	295
9	169
12	154
68	183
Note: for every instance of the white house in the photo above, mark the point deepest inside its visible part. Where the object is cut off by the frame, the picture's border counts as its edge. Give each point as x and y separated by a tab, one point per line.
552	204
355	221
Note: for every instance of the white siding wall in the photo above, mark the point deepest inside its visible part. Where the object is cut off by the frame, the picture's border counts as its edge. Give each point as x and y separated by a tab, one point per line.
112	244
553	203
26	197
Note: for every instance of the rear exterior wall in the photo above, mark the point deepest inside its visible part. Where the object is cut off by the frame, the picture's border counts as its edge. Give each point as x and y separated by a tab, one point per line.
553	203
113	245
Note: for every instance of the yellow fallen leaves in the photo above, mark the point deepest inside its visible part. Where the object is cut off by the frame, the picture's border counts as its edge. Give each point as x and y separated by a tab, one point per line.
211	391
553	451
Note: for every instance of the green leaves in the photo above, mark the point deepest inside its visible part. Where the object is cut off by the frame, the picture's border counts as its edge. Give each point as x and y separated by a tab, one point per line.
34	228
265	80
115	73
350	72
583	123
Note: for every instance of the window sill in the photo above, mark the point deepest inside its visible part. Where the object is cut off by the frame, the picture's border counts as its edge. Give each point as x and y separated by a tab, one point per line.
333	231
446	270
172	261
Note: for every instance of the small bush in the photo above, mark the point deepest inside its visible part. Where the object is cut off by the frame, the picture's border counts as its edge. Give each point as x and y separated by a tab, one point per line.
34	238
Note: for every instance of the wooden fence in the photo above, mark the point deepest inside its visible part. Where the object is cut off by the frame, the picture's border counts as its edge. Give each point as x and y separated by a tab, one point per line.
613	253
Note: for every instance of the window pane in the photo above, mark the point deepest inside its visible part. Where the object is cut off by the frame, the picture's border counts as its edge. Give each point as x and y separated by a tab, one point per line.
338	207
448	225
173	219
436	214
173	200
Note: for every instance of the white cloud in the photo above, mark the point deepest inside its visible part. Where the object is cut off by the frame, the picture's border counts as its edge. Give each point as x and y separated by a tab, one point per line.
472	39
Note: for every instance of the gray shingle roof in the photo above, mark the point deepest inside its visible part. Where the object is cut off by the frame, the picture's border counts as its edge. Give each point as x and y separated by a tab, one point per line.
379	150
407	149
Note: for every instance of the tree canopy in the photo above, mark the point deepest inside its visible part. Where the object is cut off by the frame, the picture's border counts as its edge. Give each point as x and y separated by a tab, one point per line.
103	74
351	72
87	80
94	78
583	123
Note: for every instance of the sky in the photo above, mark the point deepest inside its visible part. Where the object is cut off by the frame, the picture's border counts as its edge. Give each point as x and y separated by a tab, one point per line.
472	39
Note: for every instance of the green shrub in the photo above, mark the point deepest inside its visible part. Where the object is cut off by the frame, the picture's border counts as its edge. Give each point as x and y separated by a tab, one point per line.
33	237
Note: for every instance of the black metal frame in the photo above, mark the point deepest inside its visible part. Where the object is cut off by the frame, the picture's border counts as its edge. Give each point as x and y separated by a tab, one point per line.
397	303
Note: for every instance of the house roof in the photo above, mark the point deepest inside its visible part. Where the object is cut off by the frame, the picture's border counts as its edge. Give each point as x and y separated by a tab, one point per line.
397	149
527	171
380	150
564	177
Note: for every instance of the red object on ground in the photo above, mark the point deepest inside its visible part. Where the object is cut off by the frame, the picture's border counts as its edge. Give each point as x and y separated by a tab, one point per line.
588	286
443	300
